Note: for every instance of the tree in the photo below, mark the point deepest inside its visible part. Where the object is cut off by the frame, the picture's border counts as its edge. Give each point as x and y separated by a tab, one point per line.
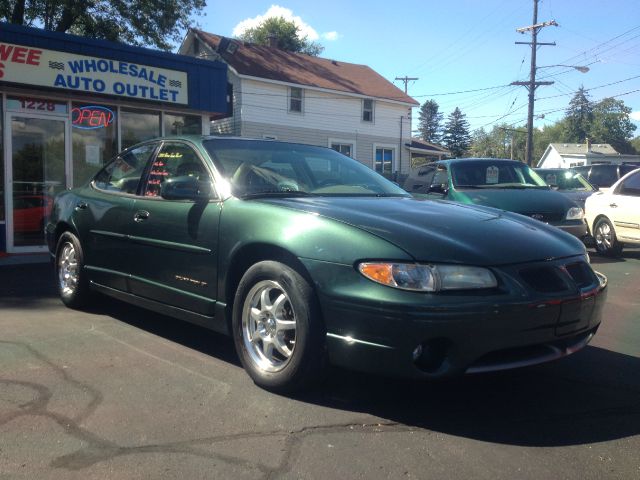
429	122
579	117
287	35
455	134
611	124
635	143
136	22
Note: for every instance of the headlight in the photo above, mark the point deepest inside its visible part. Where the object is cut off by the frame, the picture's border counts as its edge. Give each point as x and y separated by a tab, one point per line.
575	213
428	278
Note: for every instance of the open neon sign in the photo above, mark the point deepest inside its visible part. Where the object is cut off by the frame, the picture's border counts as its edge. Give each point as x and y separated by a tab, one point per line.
91	117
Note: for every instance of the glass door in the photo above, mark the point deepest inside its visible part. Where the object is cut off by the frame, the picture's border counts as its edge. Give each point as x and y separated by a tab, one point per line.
37	146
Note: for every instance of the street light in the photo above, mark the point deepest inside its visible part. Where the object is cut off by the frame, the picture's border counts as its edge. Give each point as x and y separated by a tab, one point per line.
580	68
531	85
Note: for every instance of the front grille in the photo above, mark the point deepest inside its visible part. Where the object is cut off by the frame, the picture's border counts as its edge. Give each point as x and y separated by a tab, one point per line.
581	273
544	279
547	217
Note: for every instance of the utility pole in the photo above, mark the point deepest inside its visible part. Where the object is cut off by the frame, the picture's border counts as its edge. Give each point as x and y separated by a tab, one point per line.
406	80
532	84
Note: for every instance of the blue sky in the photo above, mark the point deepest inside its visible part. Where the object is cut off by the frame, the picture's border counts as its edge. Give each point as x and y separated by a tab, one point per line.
456	46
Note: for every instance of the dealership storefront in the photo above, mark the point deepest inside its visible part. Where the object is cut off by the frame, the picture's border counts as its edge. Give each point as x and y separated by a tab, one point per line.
71	103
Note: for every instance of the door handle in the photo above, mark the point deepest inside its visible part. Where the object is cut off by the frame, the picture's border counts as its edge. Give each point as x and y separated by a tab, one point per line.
81	206
140	216
613	205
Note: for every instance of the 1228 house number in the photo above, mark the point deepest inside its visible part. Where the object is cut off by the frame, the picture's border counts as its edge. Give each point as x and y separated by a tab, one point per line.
42	105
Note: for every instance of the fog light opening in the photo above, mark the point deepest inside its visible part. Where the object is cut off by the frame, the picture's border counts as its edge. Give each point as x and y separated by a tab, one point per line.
430	356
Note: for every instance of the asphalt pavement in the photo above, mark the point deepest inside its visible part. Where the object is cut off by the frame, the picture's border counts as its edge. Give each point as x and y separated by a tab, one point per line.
121	393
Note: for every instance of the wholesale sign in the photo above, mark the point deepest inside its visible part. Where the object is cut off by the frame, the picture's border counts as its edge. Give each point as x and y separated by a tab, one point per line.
49	68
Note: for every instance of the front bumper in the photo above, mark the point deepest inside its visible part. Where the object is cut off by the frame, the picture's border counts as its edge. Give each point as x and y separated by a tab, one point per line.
577	228
379	329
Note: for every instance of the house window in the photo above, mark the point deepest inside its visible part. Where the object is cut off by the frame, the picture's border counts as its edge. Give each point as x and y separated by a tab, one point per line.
367	110
384	160
295	99
343	148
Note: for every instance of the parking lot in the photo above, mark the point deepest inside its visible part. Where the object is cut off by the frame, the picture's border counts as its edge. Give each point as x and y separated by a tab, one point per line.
118	392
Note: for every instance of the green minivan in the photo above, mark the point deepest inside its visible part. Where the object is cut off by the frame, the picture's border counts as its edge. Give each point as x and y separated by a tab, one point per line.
504	184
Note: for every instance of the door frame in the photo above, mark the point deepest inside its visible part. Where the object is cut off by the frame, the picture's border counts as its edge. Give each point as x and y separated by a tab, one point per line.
8	172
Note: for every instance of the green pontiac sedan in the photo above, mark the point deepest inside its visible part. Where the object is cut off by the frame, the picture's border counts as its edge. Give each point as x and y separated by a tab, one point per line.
308	258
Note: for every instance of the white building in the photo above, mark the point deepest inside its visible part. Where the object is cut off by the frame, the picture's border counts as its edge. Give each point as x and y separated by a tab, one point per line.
566	155
300	98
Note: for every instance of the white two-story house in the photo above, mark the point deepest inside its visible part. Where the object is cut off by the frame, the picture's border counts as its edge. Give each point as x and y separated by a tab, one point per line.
299	98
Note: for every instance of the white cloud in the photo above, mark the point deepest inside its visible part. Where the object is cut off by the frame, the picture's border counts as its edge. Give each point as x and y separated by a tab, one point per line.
305	29
277	11
635	116
331	36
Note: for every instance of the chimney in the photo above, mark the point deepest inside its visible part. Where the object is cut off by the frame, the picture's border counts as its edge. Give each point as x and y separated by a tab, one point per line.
588	142
273	40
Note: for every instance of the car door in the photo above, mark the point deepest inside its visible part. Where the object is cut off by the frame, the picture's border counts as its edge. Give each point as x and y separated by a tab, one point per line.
101	216
174	241
419	184
624	208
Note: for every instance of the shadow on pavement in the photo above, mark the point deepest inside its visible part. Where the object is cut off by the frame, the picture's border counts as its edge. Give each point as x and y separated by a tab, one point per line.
627	254
591	397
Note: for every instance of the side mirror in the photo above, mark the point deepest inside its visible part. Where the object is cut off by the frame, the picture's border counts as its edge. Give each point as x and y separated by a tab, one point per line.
185	188
438	188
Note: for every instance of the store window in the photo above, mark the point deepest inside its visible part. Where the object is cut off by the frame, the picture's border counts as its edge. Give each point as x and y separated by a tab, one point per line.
182	124
94	137
137	126
1	171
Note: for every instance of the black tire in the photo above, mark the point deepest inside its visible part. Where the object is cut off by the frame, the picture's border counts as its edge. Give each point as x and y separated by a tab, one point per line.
69	265
275	371
605	238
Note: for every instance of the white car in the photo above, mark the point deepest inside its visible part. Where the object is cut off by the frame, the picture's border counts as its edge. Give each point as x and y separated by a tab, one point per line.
613	217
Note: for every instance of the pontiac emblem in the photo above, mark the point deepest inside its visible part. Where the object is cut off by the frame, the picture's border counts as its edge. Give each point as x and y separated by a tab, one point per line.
538	216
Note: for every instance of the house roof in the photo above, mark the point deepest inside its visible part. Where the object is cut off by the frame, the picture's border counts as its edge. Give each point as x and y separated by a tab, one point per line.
581	149
274	64
419	144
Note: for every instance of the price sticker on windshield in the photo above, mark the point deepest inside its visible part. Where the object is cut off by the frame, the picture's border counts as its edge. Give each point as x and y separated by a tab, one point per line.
492	174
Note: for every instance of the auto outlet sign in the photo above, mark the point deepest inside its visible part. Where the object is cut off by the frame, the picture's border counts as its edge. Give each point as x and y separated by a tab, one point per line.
50	68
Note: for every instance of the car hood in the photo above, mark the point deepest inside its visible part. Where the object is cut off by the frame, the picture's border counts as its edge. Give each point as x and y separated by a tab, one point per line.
520	200
578	197
441	231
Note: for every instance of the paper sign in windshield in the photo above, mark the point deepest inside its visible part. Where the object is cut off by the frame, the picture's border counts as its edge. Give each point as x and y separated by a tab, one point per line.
492	175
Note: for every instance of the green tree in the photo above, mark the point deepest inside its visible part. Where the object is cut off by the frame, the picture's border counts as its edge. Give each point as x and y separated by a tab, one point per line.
136	22
578	117
287	35
635	143
430	122
455	134
611	124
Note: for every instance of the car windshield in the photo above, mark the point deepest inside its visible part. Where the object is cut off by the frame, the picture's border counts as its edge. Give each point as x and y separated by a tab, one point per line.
566	180
257	168
498	174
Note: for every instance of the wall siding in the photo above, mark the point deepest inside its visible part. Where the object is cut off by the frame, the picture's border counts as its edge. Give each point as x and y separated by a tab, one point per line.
231	125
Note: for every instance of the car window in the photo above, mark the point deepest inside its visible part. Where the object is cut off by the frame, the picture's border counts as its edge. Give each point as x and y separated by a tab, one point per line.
255	167
624	169
441	177
174	160
124	172
631	185
498	174
603	175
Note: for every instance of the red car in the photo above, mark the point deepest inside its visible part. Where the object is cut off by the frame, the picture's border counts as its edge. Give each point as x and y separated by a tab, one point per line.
30	212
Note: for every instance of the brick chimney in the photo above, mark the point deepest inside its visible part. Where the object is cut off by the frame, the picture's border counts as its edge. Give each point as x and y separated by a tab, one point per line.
588	142
273	40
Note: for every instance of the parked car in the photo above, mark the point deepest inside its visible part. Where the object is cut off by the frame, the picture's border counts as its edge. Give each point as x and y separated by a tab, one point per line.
604	175
614	216
567	182
504	184
30	212
307	257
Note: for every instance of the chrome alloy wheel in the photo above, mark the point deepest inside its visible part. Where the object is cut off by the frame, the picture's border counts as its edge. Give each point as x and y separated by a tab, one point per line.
268	326
604	237
68	269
